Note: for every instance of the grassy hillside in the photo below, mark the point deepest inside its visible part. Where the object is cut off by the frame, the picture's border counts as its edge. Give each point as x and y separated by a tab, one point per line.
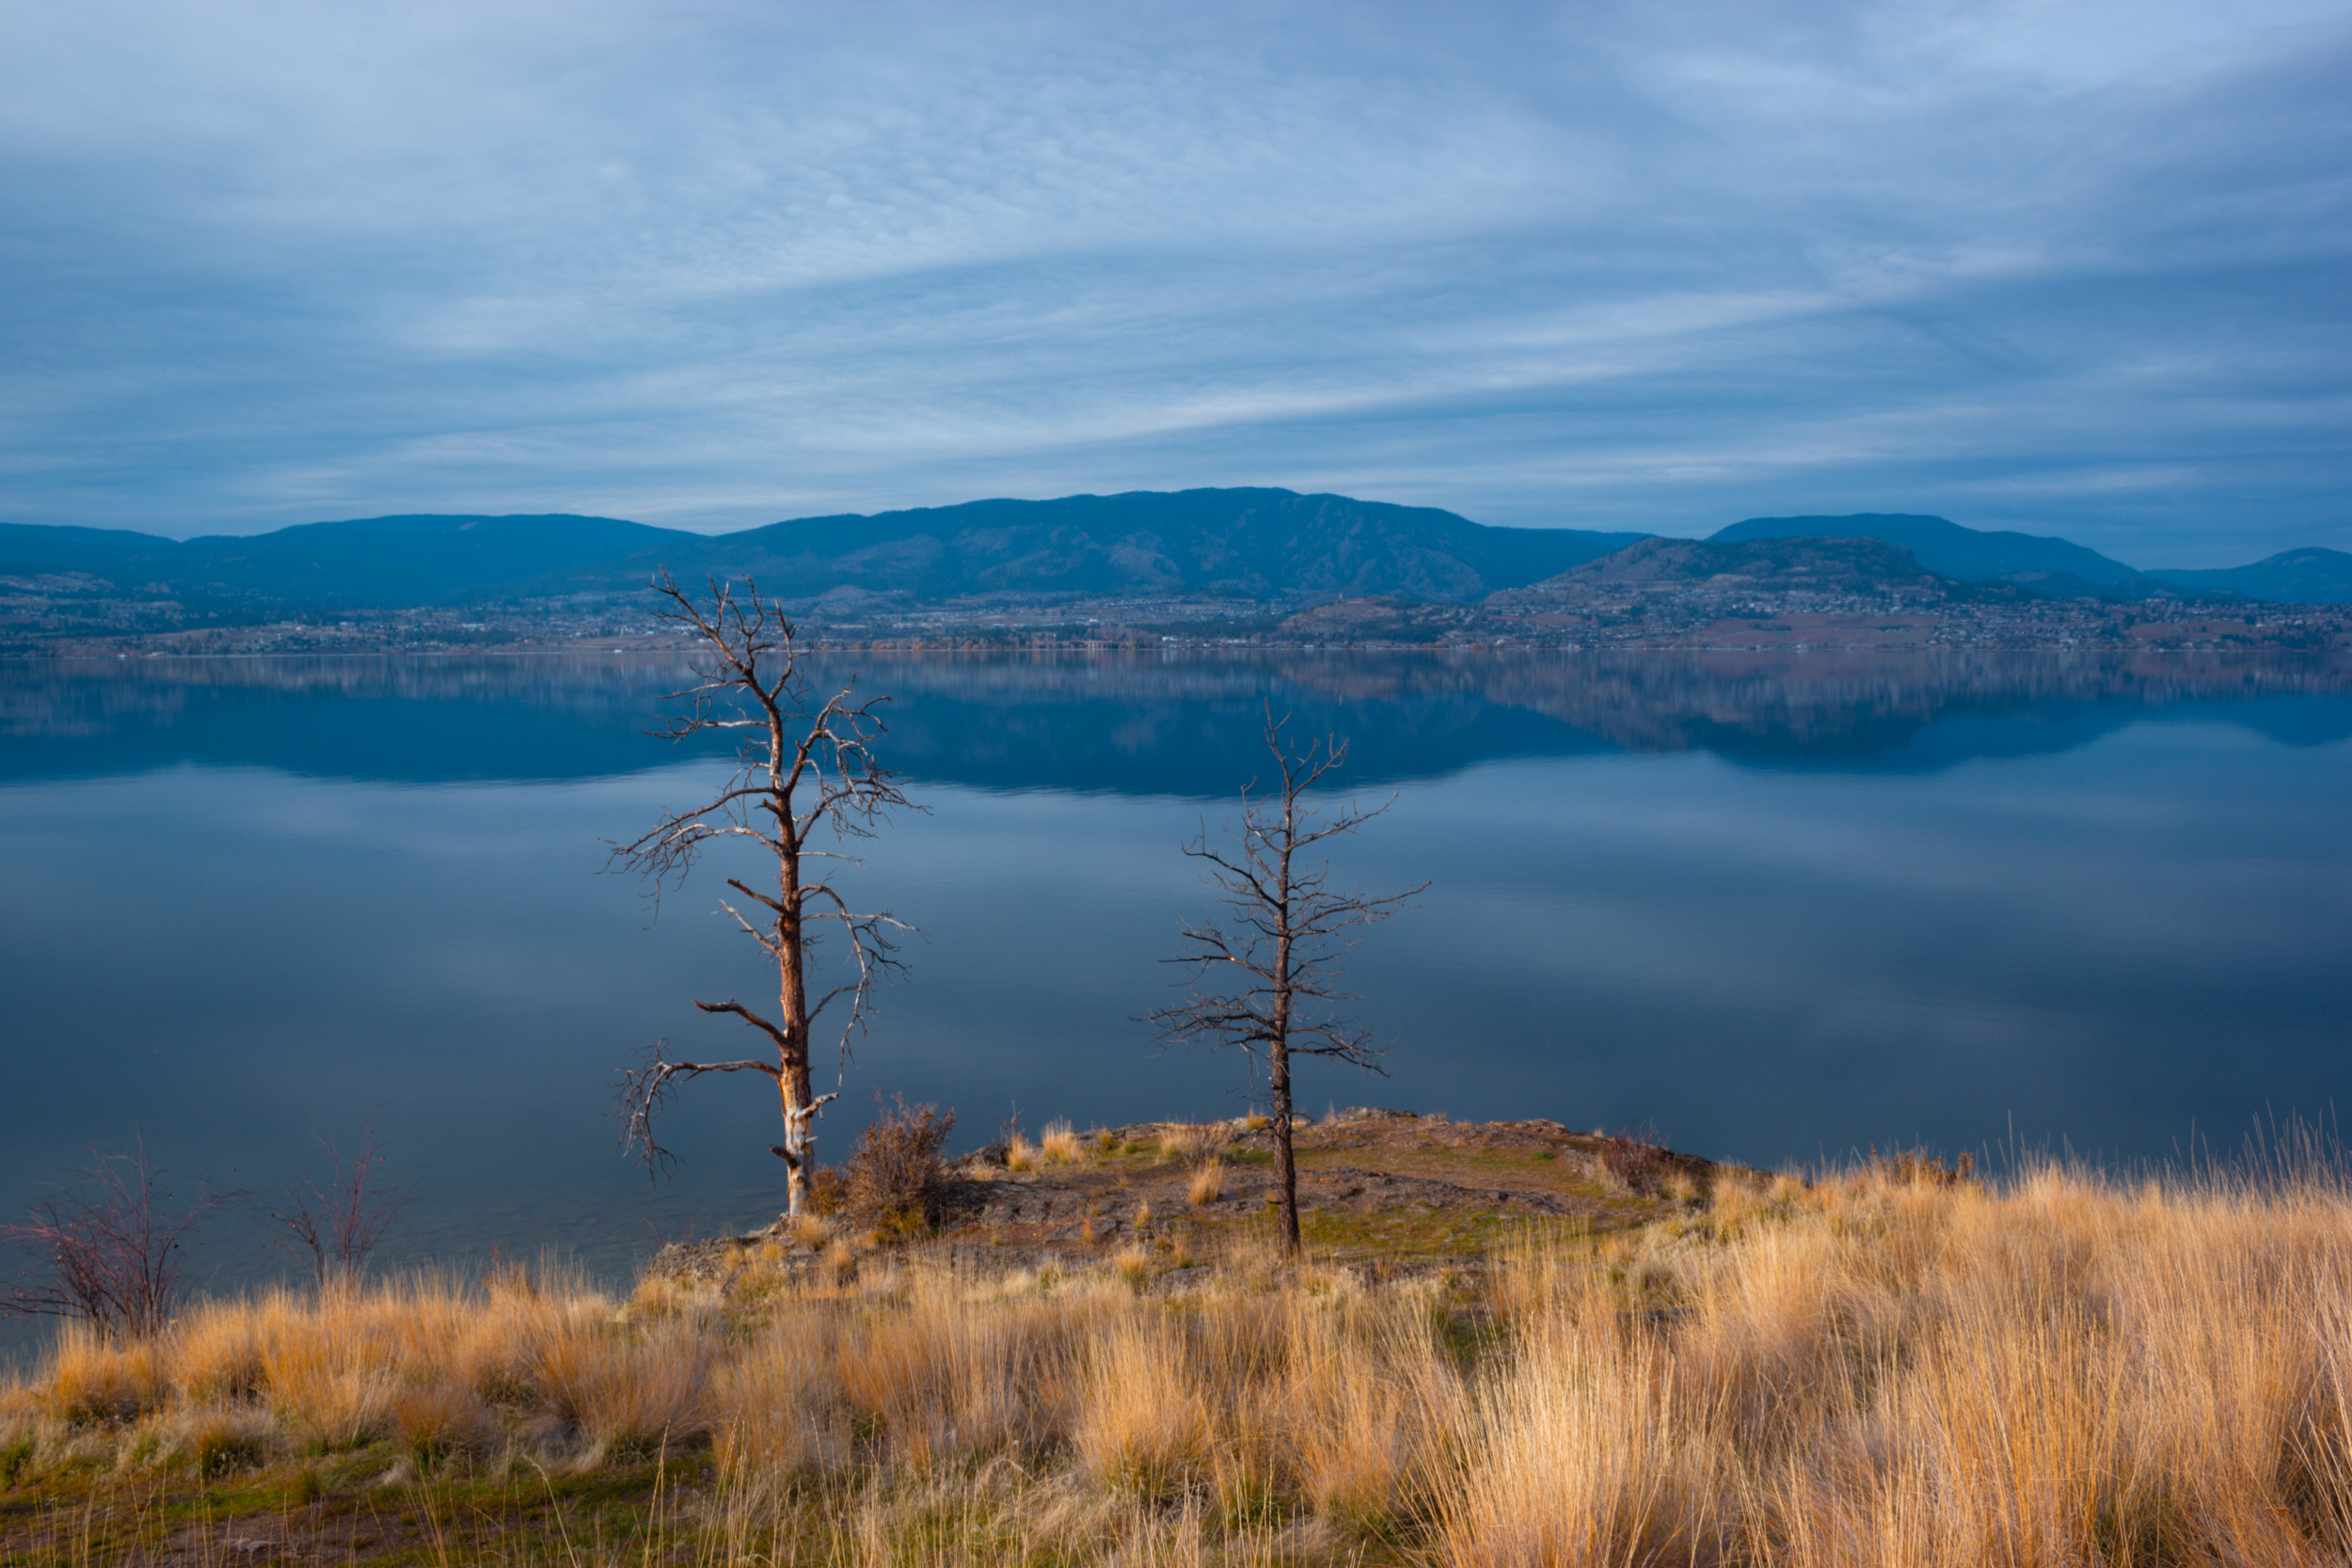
1943	545
1890	1365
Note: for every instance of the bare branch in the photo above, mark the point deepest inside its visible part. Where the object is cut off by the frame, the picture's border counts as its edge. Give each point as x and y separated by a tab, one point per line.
643	1091
783	1042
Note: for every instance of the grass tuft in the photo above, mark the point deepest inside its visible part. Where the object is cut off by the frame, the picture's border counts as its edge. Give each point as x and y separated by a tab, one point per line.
1208	1184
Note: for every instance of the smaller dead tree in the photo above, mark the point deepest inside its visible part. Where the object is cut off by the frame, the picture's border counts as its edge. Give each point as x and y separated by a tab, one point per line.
1265	974
806	769
115	1245
341	1222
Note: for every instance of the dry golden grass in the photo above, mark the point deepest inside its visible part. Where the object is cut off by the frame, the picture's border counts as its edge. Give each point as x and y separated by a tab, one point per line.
1059	1146
1208	1183
1190	1141
93	1379
1865	1370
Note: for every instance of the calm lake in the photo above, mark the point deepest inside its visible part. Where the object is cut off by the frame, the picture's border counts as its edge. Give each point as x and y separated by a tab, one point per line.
1781	906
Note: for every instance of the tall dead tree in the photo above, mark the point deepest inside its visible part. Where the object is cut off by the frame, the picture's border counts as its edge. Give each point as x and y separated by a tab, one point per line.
1265	974
806	770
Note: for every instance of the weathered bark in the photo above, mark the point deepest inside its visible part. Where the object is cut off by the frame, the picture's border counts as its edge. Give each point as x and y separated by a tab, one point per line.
1285	1164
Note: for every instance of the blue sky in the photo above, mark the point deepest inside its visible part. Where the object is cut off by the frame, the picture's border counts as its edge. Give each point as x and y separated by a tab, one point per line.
2082	269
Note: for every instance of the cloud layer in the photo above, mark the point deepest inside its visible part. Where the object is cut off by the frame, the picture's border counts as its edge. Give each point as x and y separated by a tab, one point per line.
2077	269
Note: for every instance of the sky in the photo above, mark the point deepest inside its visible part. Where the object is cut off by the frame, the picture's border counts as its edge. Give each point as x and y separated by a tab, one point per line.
2078	269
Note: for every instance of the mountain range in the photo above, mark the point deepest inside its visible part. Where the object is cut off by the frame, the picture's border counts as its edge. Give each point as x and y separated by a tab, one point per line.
2061	568
1243	544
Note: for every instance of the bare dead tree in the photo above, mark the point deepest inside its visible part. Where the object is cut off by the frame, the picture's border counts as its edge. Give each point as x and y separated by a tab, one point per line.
806	769
114	1244
1265	974
340	1224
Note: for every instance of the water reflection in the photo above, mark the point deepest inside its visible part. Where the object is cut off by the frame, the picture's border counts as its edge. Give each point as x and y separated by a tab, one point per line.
1151	724
1785	905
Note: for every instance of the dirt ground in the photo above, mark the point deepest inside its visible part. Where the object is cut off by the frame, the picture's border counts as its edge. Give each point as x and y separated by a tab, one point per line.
1378	1188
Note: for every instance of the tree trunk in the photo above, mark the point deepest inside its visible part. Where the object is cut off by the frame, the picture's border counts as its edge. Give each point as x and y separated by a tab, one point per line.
1279	1044
800	1095
799	1137
1285	1169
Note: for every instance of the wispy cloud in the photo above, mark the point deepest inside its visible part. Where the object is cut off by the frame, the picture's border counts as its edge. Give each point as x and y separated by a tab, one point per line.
2071	268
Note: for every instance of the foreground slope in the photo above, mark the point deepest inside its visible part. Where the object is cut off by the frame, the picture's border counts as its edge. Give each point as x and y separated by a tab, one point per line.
1892	1364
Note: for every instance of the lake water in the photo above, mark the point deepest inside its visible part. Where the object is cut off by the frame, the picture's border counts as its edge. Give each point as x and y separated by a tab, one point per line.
1781	906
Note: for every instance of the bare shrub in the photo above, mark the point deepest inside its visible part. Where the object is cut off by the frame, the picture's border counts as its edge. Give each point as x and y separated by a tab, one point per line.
828	1192
340	1224
114	1244
894	1175
1636	1159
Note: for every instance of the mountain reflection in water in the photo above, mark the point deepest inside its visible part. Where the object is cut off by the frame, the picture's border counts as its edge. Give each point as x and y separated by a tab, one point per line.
1150	724
1786	904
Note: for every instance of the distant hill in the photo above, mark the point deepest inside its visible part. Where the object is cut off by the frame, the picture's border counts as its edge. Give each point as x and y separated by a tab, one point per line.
365	562
2294	577
2036	561
1246	542
31	549
1253	543
1817	564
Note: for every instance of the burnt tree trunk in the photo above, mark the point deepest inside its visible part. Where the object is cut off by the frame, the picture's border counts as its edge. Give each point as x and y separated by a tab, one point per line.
1277	946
